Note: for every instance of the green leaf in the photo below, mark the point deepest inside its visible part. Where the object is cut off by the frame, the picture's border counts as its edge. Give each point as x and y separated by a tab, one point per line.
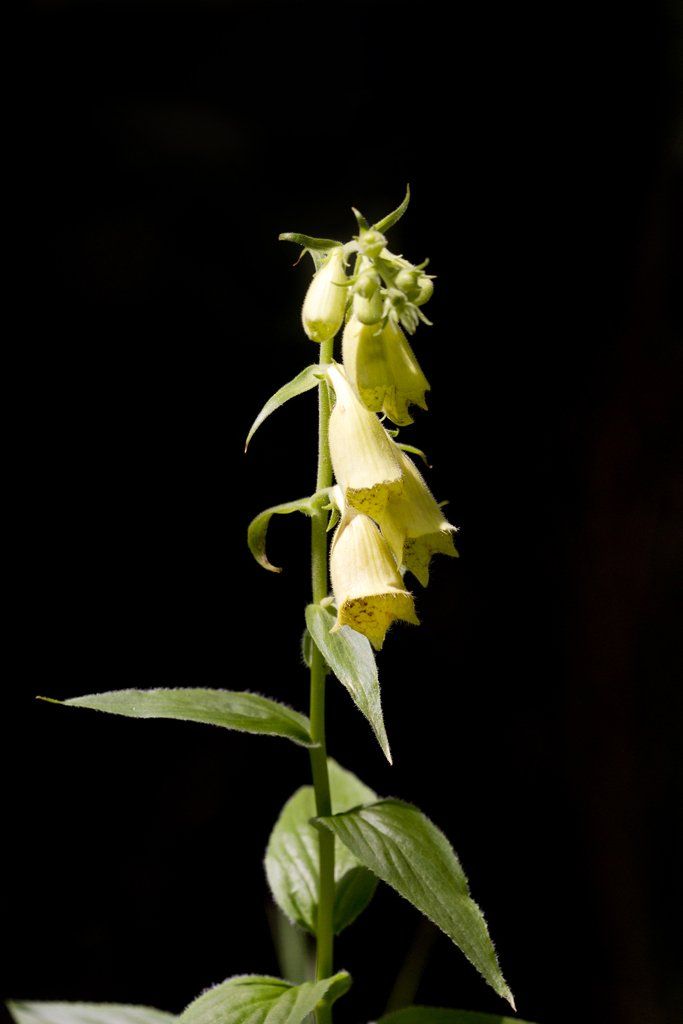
292	856
86	1013
401	846
391	218
245	712
304	381
351	658
317	248
258	527
308	242
437	1015
262	1000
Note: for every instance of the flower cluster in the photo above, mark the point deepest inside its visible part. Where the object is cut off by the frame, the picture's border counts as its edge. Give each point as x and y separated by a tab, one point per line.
390	522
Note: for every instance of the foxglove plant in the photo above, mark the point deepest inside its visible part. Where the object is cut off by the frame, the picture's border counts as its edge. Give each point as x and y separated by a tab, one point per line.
335	839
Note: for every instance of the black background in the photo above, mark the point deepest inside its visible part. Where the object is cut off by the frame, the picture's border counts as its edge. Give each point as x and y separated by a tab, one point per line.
532	714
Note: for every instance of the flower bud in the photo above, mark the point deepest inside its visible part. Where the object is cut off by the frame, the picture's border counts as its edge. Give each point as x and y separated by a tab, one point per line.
371	243
409	283
367	586
368	284
325	303
426	290
383	369
368	311
368	301
414	524
364	460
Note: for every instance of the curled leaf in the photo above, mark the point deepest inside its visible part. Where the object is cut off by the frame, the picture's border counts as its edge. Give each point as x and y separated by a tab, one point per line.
309	378
258	527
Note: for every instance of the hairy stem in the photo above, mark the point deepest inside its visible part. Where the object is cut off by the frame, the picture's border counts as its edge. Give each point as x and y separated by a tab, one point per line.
321	782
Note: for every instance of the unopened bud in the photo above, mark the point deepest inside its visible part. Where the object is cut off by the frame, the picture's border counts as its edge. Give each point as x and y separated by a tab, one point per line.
371	243
408	282
426	290
325	303
368	284
368	302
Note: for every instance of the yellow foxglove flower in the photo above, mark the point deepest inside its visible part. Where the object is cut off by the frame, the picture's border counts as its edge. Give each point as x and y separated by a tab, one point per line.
414	524
367	586
383	369
325	303
364	459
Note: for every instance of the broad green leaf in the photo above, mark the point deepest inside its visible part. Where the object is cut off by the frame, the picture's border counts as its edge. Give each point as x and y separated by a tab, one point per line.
391	218
304	381
258	527
350	657
262	1000
401	846
437	1015
86	1013
245	712
292	856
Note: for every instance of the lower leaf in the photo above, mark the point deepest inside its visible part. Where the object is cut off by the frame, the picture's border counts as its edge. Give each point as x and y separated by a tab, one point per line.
292	856
400	845
244	712
262	1000
86	1013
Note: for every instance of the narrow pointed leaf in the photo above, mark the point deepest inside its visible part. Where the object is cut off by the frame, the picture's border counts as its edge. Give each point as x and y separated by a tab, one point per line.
262	1000
391	218
86	1013
317	248
258	527
292	856
308	242
437	1015
351	658
360	220
244	712
401	846
309	378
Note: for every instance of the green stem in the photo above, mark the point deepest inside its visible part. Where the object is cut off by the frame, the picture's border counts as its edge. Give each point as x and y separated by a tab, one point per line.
321	781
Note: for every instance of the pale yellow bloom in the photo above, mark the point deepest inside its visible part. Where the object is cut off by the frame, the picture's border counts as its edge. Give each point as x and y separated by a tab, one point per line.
367	585
323	310
366	464
414	524
383	369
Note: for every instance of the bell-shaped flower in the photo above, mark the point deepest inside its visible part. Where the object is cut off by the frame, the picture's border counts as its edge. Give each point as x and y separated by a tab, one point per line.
365	461
414	524
323	311
366	583
381	365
